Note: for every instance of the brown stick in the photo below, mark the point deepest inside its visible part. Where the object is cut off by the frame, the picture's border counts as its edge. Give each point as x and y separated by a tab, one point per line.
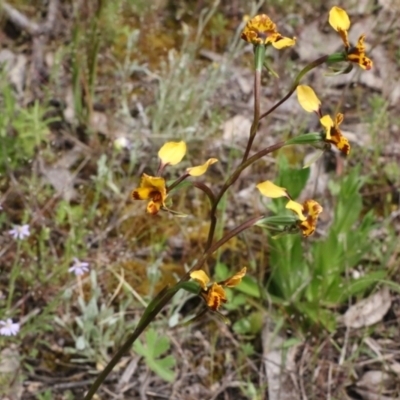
33	28
39	33
20	20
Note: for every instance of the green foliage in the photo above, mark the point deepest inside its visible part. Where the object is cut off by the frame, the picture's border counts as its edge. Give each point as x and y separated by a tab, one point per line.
77	219
22	130
152	349
97	328
312	286
294	179
252	323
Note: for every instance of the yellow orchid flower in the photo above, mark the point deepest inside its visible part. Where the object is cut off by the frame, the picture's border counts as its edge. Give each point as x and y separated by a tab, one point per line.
215	294
333	133
307	212
151	188
154	188
310	102
312	209
357	54
340	22
308	215
201	169
171	153
261	30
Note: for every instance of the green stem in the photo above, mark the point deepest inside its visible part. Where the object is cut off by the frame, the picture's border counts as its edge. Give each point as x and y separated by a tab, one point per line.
256	118
296	82
177	182
234	232
253	130
158	303
206	190
230	181
259	58
147	317
166	294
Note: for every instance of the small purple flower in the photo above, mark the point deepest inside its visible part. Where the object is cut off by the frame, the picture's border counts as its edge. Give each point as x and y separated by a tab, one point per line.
79	268
8	328
20	232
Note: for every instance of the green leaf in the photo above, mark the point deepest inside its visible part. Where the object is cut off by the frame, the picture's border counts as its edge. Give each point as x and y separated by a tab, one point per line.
336	57
249	286
363	283
162	368
318	315
294	180
161	346
259	56
287	344
278	220
307	138
289	269
155	346
247	348
221	271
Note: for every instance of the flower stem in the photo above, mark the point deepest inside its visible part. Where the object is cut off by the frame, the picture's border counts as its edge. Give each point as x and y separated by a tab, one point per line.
158	303
163	297
206	190
230	181
177	182
259	57
296	82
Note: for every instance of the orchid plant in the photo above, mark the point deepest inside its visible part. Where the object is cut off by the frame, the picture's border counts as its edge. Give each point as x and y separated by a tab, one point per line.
262	33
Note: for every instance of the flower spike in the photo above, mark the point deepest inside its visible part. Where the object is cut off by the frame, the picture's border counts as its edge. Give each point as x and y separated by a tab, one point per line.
340	22
260	30
154	188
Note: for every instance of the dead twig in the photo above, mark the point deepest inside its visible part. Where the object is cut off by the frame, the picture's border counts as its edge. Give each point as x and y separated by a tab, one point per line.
20	20
40	34
24	23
